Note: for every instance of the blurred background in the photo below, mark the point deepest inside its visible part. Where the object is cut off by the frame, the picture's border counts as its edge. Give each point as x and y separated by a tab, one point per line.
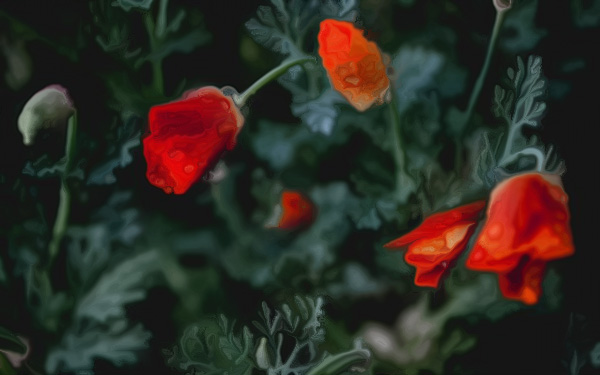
137	268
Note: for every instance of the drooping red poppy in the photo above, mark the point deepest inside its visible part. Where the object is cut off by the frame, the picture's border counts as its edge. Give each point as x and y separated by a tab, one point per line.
297	211
527	225
438	241
188	136
354	64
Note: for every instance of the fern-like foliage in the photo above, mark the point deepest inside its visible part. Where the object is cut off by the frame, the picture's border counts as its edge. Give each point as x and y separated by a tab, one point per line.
287	342
212	348
519	102
282	26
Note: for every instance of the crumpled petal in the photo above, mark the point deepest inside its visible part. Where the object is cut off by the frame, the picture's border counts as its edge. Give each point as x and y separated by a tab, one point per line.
527	225
435	244
188	136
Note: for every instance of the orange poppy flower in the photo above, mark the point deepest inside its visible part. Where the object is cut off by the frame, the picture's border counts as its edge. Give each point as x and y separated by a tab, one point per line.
188	136
297	211
527	225
438	241
353	63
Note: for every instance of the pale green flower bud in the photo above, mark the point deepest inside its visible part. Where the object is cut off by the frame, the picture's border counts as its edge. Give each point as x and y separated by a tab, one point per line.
50	107
502	5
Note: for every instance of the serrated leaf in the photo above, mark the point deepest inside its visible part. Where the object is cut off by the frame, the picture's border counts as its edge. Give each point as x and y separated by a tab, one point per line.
117	344
320	114
118	153
122	285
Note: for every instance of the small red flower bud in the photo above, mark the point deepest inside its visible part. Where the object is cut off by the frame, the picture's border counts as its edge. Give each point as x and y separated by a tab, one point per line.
297	211
188	136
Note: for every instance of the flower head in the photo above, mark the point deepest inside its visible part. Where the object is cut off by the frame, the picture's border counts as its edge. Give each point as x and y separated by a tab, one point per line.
436	243
527	225
354	64
48	108
294	212
502	5
188	136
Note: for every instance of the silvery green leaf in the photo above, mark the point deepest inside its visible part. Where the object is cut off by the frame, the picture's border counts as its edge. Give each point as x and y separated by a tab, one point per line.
116	343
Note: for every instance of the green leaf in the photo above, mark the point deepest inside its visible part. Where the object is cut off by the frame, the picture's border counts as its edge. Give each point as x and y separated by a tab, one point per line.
520	31
118	152
320	114
282	27
5	366
116	343
520	102
99	328
354	361
10	342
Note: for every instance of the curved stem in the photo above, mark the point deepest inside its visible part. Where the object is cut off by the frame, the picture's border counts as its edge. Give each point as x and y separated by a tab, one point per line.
531	151
484	70
64	203
241	99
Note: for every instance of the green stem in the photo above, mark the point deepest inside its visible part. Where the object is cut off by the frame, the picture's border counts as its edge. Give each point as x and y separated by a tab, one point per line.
161	19
241	99
484	70
157	73
398	144
64	203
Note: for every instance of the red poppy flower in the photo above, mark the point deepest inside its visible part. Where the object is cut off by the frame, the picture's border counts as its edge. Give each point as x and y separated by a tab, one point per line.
436	243
297	211
353	63
527	225
188	136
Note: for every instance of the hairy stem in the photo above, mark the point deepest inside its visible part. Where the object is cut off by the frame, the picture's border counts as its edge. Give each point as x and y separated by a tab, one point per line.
157	73
64	204
398	146
484	70
161	20
241	99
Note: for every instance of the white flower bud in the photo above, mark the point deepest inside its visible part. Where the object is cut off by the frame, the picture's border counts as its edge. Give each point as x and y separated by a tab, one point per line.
502	5
50	107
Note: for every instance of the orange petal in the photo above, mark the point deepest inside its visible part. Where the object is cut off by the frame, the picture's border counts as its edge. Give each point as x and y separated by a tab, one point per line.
354	64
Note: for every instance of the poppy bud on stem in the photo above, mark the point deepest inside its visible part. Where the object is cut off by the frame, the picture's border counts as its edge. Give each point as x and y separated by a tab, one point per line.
49	108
